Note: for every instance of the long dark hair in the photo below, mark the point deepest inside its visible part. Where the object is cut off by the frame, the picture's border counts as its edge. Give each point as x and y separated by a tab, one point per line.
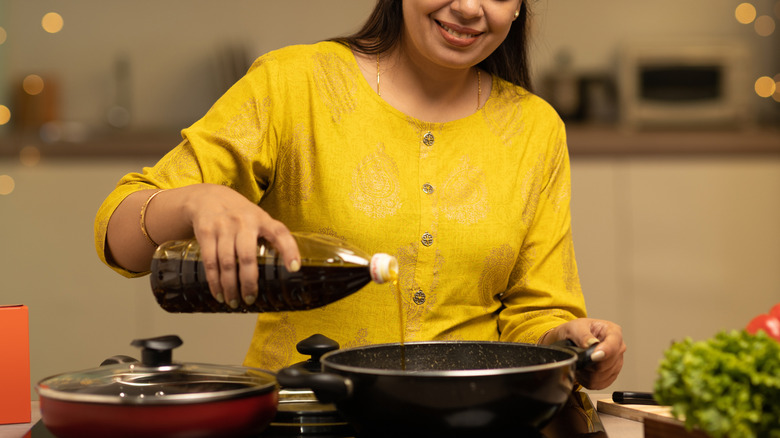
384	26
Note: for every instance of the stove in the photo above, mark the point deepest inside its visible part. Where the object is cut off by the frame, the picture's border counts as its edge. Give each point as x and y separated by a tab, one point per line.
303	417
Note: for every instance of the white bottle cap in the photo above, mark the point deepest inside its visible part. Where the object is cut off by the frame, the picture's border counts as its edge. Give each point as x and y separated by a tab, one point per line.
384	268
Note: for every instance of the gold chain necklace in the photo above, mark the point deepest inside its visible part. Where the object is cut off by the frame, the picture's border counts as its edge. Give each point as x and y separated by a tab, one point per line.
479	83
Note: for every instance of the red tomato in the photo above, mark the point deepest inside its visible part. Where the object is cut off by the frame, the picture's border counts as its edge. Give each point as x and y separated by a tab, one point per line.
775	311
768	323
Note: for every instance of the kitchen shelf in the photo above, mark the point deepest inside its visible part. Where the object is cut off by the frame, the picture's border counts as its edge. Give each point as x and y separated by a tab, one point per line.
584	141
599	141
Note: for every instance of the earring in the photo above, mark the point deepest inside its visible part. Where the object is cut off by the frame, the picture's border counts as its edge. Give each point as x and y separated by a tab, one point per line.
517	14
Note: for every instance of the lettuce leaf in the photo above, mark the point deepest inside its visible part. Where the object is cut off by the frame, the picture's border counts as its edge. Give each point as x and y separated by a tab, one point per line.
726	386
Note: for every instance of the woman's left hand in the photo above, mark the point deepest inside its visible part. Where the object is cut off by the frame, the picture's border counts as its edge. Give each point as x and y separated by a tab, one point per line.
607	357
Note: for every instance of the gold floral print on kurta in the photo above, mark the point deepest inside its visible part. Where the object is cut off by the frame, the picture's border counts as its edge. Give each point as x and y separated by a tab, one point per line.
569	266
245	130
408	286
531	187
525	260
562	195
376	186
495	274
503	117
280	345
360	339
464	194
296	166
177	163
335	84
532	334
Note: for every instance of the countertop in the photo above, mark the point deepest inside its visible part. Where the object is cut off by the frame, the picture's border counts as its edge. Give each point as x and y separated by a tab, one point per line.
616	427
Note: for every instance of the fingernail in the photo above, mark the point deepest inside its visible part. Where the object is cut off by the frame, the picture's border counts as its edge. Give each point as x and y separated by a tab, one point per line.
295	266
220	298
598	356
250	299
233	304
592	341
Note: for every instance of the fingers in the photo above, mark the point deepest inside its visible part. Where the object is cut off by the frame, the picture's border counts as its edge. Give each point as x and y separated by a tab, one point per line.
277	234
226	253
607	357
246	256
227	227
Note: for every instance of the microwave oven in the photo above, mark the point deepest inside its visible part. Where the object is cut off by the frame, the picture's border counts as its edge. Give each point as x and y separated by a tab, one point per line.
682	85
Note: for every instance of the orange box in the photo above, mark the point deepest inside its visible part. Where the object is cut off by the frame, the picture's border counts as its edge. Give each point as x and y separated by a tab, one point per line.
14	365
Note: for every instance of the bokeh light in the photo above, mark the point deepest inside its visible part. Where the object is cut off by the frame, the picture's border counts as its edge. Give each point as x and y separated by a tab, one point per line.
765	86
765	25
52	22
7	184
745	13
32	84
776	96
30	156
3	35
5	114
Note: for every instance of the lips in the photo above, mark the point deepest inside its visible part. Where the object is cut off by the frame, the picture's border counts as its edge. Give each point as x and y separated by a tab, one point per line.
457	35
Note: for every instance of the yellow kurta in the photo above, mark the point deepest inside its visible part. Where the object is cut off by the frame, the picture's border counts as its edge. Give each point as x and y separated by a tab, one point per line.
476	210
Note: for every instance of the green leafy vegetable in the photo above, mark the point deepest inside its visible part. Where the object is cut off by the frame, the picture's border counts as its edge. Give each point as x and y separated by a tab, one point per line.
726	386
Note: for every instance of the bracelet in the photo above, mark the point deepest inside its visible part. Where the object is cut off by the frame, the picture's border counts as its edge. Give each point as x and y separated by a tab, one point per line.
143	217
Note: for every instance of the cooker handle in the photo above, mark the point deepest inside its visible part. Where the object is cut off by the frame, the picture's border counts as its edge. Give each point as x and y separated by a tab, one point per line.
583	354
328	387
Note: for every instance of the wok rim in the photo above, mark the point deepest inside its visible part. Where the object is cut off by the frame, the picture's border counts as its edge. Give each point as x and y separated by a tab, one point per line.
328	365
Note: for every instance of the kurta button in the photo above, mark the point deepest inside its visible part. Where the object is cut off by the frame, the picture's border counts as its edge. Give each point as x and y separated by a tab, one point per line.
428	139
419	298
427	188
427	239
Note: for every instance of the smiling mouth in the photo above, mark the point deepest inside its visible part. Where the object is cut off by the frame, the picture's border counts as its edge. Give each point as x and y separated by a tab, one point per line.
456	33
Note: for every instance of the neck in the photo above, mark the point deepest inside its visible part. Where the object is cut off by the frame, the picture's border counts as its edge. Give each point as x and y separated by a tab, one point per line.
427	91
425	78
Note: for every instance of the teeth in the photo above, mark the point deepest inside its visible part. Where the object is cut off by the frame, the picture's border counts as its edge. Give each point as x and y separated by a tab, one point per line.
455	33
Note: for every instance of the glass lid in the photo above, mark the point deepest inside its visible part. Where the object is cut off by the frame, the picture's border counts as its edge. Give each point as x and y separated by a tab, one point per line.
157	380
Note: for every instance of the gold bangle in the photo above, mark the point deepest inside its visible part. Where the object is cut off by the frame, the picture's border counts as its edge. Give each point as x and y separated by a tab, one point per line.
143	217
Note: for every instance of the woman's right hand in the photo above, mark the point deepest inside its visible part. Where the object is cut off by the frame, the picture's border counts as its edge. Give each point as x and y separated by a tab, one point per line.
228	227
226	224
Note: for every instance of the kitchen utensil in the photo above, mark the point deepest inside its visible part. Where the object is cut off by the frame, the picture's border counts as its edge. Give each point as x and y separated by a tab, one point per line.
445	388
158	398
633	398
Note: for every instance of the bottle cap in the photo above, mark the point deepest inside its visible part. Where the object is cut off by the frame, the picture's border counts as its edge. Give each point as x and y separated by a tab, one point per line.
384	268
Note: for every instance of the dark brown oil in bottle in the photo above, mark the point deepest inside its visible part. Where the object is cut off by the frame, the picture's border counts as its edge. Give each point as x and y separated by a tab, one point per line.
180	286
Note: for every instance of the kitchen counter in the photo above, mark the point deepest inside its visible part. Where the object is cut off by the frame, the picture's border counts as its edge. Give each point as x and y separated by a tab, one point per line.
616	427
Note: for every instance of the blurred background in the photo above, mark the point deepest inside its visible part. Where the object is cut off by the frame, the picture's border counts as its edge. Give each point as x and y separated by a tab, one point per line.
672	110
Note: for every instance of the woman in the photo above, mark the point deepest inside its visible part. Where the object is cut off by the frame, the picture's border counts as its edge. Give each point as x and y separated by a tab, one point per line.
416	137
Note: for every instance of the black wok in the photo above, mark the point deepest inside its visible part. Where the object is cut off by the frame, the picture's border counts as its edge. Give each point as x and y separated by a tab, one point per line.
467	388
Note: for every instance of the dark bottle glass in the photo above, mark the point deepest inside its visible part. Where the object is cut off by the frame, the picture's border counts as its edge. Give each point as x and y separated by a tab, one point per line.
331	269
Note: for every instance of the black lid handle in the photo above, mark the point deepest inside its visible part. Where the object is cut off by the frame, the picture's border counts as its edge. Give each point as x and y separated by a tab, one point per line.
315	346
157	351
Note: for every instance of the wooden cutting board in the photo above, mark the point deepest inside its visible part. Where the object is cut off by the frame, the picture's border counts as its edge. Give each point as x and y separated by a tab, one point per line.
634	412
658	420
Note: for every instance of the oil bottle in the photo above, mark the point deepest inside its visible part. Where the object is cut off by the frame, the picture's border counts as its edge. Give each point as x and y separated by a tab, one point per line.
331	269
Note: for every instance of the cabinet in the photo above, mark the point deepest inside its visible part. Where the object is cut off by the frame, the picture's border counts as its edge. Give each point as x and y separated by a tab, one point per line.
674	245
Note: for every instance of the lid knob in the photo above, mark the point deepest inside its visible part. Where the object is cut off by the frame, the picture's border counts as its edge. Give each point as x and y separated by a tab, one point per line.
315	346
157	351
